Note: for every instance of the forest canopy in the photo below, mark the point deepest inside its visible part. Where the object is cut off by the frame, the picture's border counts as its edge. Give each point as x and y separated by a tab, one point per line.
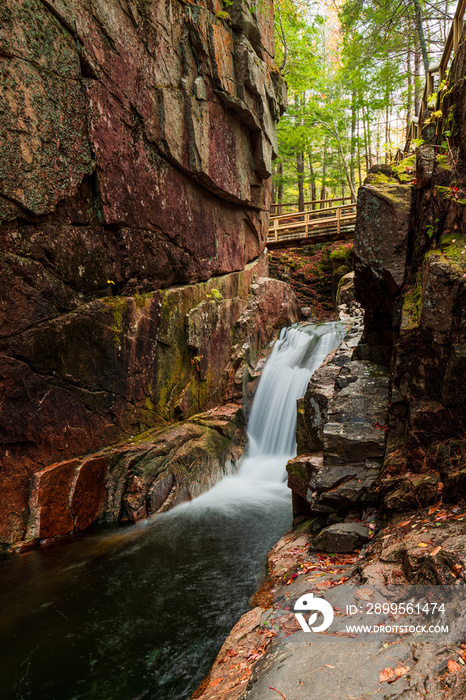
355	72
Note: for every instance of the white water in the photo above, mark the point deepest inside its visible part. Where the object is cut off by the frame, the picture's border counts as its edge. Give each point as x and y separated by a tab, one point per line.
297	353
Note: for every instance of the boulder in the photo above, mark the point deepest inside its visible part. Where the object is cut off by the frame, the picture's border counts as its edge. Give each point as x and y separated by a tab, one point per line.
425	163
341	538
135	480
346	293
381	243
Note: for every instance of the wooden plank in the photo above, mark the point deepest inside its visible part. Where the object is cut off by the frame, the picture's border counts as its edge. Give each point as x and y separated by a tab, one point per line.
316	212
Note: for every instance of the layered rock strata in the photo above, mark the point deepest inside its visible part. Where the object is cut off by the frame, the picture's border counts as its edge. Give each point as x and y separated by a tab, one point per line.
137	140
341	437
131	481
202	351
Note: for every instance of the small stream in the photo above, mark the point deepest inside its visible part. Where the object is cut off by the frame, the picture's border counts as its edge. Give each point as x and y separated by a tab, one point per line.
139	613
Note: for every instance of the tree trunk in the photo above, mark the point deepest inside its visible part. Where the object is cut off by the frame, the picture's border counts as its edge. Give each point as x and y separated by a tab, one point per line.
359	157
343	162
324	173
300	171
366	149
353	131
417	79
409	114
369	143
279	186
312	180
420	33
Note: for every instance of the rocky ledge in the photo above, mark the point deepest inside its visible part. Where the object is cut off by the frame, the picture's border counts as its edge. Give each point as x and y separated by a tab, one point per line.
134	480
341	434
267	650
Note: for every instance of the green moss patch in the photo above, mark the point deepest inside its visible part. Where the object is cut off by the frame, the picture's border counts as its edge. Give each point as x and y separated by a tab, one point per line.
412	304
405	171
453	247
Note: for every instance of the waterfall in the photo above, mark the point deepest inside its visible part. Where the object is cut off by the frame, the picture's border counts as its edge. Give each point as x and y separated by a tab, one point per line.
297	353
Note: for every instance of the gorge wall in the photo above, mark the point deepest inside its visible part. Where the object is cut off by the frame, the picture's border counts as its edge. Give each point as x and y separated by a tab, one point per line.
410	280
137	139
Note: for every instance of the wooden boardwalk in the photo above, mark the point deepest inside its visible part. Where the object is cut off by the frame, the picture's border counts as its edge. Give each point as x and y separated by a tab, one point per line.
311	226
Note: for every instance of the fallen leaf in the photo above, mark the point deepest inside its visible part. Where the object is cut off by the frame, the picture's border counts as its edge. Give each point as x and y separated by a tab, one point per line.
435	551
215	682
401	670
231	652
387	675
328	666
405	522
453	666
422	544
364	594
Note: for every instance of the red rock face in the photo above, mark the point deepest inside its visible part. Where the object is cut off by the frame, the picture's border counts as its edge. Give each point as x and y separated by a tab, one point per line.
49	499
136	154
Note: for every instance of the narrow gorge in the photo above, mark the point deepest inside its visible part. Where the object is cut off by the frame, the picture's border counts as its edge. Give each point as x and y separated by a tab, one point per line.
197	432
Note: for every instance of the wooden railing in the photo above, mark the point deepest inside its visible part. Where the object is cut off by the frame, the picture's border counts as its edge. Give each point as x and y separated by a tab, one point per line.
334	223
415	128
287	207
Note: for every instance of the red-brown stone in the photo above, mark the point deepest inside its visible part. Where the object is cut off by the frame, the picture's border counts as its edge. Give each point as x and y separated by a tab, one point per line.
87	498
49	500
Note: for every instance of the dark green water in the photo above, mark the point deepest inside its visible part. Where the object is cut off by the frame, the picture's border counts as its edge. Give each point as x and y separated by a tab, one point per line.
132	613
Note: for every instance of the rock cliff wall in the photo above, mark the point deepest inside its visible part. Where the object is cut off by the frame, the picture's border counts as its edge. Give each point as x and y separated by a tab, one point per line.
410	253
137	139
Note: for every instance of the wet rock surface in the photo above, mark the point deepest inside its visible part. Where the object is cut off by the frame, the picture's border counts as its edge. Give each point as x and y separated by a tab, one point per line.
271	650
341	434
120	365
342	538
129	482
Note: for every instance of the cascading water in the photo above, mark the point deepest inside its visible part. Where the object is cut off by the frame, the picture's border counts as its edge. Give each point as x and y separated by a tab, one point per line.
298	352
157	601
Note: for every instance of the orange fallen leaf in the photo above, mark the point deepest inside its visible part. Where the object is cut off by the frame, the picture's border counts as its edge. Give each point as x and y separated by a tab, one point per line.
432	509
405	522
422	544
401	670
215	682
453	666
435	551
387	675
364	594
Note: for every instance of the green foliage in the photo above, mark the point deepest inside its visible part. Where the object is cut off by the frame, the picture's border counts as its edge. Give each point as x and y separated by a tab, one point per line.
215	294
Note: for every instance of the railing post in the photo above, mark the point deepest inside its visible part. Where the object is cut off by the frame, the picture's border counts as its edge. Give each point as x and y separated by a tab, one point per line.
338	221
275	227
306	223
430	84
